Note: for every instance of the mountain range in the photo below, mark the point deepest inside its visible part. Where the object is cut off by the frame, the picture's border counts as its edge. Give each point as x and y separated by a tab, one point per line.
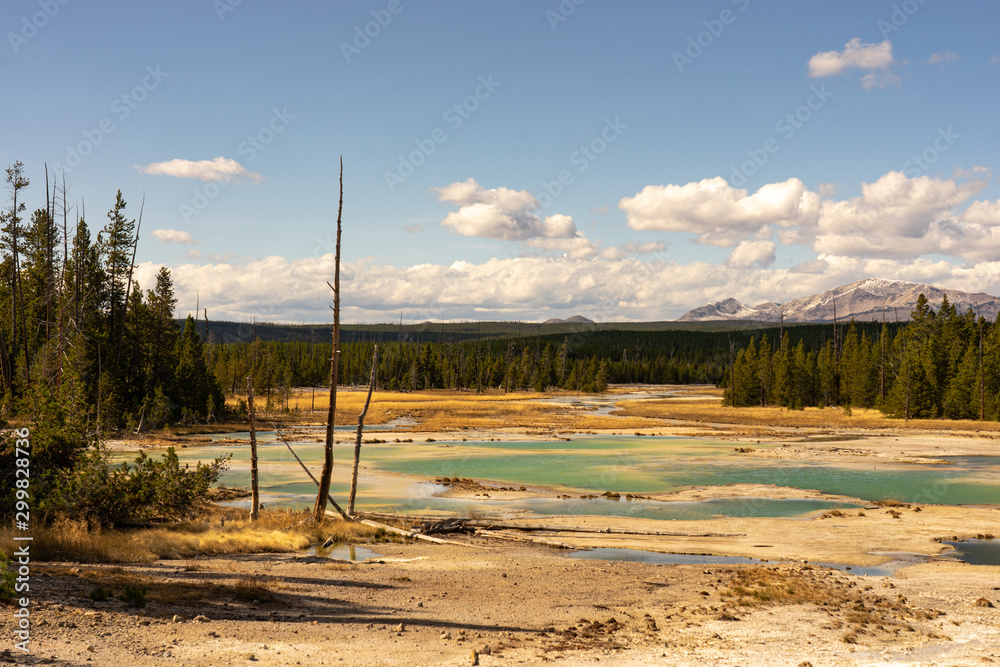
867	300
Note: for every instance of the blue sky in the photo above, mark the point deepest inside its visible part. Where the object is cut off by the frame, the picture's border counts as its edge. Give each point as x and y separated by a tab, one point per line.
518	160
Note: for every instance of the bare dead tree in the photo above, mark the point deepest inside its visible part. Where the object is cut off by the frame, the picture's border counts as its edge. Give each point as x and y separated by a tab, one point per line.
128	288
254	485
361	426
327	472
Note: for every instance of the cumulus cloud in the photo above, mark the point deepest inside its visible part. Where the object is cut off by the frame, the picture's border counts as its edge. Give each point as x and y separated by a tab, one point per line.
855	55
173	236
718	213
500	213
527	288
879	80
897	216
218	169
509	215
942	57
752	253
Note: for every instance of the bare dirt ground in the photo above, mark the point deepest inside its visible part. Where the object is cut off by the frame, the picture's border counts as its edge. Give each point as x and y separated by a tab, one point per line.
423	604
501	600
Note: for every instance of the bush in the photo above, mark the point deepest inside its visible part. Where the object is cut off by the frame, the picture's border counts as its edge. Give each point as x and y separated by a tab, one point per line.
99	594
98	493
134	596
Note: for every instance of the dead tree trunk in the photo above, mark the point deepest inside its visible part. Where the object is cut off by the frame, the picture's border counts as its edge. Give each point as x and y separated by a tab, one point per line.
254	485
361	426
327	473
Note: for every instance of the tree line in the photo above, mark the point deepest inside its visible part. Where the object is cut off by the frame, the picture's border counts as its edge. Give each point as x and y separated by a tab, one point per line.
85	352
939	364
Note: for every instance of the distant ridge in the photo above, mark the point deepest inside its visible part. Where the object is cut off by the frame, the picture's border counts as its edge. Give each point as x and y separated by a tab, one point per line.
863	300
576	319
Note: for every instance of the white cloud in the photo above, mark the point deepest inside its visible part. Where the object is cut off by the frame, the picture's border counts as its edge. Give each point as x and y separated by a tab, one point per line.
192	254
942	57
508	215
752	253
827	190
718	213
528	288
897	216
879	80
501	213
854	56
413	229
218	169
577	247
173	236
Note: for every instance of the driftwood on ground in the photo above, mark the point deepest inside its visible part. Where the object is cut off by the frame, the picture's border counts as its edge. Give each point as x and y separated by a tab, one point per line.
441	525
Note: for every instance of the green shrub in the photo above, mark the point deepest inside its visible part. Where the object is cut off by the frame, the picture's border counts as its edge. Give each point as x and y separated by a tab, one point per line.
99	493
134	596
99	594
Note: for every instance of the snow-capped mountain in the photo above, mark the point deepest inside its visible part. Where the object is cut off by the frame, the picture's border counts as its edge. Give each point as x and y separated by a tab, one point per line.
863	300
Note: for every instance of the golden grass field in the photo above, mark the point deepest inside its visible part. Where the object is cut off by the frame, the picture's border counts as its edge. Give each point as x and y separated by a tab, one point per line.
448	410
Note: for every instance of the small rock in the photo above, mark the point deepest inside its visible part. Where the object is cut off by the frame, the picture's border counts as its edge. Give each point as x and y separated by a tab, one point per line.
400	628
983	602
474	657
420	604
805	663
201	618
445	635
486	650
177	618
252	657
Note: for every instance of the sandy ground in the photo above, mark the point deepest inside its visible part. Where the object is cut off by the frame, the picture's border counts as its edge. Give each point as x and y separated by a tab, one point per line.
511	603
501	600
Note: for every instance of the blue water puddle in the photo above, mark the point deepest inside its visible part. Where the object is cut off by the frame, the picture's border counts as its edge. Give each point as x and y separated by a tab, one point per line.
656	558
887	569
695	510
347	552
975	552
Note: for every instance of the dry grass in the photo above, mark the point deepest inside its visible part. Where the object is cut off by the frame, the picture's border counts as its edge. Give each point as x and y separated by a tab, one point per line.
275	532
713	411
448	410
445	410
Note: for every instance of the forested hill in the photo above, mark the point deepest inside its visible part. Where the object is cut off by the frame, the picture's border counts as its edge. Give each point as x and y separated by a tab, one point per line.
443	332
513	359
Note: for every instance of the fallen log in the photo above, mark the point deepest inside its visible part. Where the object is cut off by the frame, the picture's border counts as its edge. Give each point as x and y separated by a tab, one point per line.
501	525
408	533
